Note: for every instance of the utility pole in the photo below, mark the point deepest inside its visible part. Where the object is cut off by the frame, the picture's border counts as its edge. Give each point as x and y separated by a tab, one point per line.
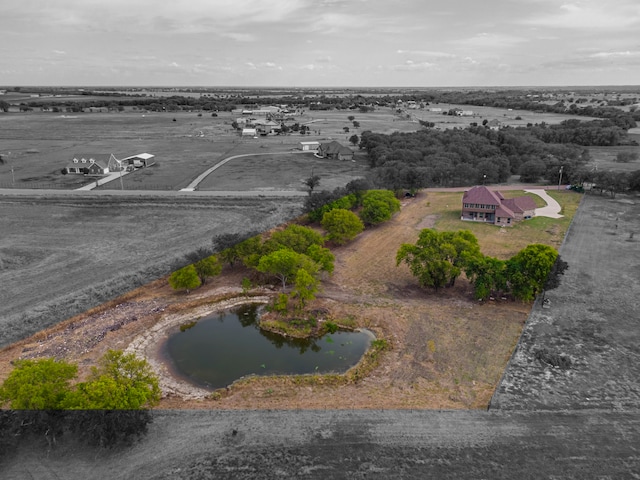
560	179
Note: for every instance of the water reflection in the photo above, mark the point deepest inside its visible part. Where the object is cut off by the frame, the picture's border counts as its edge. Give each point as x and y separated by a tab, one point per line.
223	348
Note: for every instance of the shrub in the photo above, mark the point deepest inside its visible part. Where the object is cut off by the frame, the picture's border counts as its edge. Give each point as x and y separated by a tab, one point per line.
378	206
341	225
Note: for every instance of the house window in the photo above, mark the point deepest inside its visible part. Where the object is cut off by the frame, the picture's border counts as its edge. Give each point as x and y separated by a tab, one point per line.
75	160
84	160
508	220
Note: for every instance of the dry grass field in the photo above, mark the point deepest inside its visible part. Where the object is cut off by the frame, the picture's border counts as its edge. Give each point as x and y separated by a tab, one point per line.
448	351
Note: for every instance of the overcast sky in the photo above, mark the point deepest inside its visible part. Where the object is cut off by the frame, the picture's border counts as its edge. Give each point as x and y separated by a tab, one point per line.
320	42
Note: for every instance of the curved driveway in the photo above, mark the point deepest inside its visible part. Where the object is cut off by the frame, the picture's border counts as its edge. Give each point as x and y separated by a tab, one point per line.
194	184
552	209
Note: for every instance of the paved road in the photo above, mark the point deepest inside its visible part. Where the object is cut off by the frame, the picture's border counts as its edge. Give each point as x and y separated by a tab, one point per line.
17	192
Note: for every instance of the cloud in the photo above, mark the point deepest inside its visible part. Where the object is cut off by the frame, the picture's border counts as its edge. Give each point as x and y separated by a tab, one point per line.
410	65
588	15
427	53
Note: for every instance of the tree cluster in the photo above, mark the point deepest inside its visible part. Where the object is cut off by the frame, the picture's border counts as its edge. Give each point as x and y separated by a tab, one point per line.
455	157
438	258
110	407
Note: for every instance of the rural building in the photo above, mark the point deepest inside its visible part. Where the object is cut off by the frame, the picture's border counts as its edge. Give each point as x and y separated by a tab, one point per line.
482	205
265	127
249	132
334	150
93	164
494	124
139	161
309	146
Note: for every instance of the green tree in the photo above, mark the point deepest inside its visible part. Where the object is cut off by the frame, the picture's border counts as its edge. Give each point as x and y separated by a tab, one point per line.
42	384
322	256
437	258
185	278
529	269
294	237
378	206
285	263
250	250
354	139
486	274
207	267
341	225
121	382
305	287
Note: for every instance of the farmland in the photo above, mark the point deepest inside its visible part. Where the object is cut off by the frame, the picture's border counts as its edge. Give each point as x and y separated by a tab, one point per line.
64	254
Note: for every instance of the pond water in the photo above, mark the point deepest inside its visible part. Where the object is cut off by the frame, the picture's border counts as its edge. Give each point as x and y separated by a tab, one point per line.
222	348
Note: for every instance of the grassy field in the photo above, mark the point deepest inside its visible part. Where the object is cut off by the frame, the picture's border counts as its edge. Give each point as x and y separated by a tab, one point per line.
38	145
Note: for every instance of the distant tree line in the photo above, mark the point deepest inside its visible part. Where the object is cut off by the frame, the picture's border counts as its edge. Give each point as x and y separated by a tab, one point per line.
473	156
530	100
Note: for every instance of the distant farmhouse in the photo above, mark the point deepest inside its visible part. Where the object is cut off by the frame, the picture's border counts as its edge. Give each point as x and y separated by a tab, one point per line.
482	205
93	164
334	150
105	163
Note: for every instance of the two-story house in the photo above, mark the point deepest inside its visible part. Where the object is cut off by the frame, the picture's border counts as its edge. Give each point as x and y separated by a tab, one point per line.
483	205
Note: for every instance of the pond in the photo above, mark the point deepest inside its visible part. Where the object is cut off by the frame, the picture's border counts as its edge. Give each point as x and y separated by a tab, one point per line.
222	348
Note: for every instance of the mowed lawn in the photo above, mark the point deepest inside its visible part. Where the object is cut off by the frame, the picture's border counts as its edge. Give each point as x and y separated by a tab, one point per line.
504	242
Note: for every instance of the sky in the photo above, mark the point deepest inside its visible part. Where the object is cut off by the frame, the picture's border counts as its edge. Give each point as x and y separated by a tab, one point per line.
323	43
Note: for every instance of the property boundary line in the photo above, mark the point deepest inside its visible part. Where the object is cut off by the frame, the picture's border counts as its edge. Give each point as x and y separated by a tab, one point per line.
494	402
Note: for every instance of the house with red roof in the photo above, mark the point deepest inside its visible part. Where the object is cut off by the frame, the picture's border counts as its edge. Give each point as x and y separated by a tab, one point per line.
483	205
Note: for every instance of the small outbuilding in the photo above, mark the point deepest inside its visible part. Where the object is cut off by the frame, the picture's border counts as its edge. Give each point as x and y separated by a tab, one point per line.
140	160
310	146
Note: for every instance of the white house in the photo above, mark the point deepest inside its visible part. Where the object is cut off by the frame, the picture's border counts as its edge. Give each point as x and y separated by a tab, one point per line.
93	164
